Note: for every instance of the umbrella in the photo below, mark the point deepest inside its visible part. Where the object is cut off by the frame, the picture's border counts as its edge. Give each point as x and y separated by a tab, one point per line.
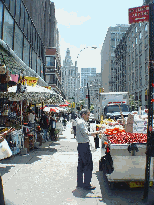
53	110
65	105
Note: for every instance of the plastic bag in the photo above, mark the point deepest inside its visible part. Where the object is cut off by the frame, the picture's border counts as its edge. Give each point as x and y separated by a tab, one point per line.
5	150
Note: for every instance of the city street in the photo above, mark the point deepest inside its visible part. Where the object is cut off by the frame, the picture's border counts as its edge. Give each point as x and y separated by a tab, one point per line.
48	176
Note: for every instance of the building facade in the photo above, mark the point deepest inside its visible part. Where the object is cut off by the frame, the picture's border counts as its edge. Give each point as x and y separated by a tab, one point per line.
70	78
43	14
20	39
112	39
133	62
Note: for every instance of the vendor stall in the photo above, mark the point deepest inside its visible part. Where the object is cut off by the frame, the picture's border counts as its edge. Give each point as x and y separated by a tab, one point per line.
127	154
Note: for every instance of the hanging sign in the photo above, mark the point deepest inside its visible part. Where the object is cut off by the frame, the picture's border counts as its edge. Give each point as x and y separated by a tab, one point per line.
31	81
139	14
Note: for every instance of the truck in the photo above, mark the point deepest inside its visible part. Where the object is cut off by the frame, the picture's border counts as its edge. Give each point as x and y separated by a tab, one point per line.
113	104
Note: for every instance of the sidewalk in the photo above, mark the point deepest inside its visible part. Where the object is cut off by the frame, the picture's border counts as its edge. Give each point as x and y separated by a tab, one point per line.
48	175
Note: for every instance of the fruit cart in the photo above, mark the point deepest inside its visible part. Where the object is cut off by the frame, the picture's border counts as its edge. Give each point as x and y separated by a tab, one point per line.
129	159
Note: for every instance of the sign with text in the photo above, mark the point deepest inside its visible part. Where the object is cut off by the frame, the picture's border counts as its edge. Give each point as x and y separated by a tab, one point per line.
139	14
31	81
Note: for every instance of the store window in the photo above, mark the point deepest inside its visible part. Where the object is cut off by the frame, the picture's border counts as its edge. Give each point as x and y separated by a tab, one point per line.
50	61
34	61
12	7
1	12
22	16
8	29
18	42
17	17
26	52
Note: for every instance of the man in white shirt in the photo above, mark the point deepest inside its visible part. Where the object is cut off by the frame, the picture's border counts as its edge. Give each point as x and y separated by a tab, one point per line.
85	163
31	118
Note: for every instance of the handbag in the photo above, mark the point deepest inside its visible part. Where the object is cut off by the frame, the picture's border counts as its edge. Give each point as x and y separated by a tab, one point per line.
106	164
5	150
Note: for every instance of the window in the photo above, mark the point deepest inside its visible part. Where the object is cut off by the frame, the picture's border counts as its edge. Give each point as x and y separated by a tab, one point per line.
1	11
17	17
8	29
29	30
50	61
26	24
140	59
146	54
38	66
140	48
18	42
136	29
7	3
22	16
146	27
12	7
26	52
33	60
140	35
42	76
136	40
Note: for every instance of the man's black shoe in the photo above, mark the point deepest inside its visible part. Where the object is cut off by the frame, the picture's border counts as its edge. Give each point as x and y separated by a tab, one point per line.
89	187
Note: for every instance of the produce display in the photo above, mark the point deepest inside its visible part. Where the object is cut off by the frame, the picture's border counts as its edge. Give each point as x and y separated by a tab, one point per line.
126	138
116	133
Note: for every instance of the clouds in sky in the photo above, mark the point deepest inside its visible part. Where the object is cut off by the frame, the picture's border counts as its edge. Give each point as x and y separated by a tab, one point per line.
68	19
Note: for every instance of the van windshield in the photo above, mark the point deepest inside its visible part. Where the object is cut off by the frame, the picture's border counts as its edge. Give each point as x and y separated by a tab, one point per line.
115	108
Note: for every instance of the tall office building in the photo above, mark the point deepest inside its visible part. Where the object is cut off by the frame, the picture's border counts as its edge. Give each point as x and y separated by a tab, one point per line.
70	78
85	74
112	39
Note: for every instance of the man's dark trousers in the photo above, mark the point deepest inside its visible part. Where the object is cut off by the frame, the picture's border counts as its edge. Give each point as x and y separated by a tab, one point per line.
85	165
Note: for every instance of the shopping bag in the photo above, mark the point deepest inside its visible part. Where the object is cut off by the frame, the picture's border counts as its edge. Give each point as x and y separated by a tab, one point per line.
5	150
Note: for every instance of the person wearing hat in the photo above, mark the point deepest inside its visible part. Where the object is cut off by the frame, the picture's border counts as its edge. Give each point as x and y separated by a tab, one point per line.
85	163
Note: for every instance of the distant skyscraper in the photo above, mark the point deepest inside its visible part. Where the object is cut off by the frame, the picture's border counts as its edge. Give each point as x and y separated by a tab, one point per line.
70	79
112	39
85	74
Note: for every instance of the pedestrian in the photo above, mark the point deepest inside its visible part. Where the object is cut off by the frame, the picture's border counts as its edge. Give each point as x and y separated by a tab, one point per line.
52	125
45	126
31	119
74	126
85	163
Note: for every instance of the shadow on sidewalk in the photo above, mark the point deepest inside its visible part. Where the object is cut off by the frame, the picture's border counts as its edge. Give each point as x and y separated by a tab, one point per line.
5	169
81	193
121	193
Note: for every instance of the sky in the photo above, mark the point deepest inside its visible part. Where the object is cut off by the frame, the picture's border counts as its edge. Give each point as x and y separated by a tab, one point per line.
83	24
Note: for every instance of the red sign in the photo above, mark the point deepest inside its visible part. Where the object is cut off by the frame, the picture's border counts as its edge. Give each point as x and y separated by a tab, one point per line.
138	14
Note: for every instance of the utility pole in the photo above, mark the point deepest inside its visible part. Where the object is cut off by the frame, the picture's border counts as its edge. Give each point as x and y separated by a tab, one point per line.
88	97
150	99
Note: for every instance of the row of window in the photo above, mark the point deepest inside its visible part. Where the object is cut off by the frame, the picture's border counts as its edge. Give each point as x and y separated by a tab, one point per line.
11	34
22	18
